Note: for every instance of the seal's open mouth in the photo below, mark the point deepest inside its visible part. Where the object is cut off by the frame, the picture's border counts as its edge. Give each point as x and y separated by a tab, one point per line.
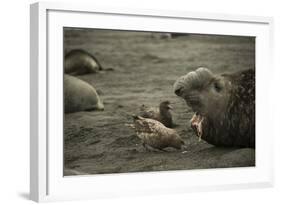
197	124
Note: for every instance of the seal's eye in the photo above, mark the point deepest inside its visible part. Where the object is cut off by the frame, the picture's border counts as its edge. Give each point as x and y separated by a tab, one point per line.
217	86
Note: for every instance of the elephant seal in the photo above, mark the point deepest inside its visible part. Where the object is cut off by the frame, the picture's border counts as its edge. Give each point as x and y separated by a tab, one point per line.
80	62
80	96
154	134
224	106
162	114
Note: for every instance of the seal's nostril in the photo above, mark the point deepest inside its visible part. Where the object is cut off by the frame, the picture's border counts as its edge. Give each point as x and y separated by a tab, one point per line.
178	91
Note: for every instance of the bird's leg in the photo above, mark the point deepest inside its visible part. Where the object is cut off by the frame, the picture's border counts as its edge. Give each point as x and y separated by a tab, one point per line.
162	150
151	149
183	147
146	148
158	150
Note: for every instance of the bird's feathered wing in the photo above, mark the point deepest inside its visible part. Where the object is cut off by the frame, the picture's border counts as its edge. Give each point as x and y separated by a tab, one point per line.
152	132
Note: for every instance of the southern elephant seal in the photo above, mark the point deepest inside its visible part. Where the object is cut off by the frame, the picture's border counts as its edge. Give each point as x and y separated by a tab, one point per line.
80	62
79	95
224	106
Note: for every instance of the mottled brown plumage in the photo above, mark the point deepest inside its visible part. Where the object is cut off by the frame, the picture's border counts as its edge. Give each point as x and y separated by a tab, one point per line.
161	114
155	134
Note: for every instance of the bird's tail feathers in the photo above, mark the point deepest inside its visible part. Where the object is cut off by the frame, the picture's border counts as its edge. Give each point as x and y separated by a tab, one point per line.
136	117
130	125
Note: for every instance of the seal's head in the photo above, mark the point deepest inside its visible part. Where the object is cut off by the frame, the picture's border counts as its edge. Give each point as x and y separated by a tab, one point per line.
206	93
223	105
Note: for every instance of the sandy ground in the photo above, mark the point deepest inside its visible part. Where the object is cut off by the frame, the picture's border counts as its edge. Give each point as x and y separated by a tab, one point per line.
145	69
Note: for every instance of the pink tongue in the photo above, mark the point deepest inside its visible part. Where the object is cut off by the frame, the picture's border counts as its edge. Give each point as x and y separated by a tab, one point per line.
196	124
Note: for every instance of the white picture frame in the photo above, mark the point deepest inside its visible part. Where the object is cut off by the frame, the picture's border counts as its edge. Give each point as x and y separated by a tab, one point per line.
46	177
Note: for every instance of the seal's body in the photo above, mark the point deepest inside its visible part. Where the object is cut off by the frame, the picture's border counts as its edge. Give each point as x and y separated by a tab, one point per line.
80	62
80	96
224	106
